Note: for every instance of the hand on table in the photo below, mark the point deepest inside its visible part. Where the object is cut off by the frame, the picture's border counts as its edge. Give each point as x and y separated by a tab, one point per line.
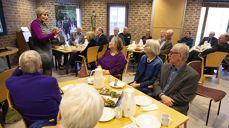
135	85
106	72
167	100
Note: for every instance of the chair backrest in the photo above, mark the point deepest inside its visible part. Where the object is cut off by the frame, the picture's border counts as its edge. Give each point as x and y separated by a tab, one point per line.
124	51
3	77
11	105
100	54
198	66
215	59
92	54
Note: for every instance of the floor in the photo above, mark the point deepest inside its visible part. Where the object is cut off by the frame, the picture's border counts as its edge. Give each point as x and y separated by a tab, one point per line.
198	109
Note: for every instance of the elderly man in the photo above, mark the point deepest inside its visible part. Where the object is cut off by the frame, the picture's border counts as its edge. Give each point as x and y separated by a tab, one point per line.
35	96
147	36
177	82
162	36
166	45
81	107
211	39
77	37
100	38
116	31
126	35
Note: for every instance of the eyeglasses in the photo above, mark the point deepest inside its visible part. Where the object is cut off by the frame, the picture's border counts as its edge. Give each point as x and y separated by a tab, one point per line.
171	53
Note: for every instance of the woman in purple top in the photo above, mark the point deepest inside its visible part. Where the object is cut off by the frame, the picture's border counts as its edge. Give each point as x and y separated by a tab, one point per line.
113	61
41	39
35	96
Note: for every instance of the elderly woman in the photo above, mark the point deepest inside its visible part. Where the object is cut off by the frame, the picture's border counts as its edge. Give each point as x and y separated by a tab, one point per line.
81	107
149	67
113	61
35	96
41	39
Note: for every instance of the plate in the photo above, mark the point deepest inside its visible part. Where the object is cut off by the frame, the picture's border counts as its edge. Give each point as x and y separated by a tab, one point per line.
148	121
120	84
91	80
108	114
143	100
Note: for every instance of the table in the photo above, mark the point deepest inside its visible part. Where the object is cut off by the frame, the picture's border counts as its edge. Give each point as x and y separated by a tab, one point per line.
6	52
177	117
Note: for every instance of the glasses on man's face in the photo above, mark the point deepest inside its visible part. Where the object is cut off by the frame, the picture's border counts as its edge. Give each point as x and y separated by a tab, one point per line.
171	53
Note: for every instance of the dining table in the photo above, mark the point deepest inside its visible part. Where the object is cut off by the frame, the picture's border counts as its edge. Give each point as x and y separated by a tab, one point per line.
6	51
177	117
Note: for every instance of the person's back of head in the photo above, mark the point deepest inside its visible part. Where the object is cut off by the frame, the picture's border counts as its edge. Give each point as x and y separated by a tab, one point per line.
81	107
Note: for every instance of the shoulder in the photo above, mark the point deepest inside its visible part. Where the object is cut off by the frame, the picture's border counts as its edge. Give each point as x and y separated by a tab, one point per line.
48	79
158	60
121	34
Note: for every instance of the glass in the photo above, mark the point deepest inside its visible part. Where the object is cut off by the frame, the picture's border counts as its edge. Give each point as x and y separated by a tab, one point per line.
109	78
118	112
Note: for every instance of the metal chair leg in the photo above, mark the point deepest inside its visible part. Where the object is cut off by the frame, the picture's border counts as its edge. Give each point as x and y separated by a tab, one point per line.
209	108
219	107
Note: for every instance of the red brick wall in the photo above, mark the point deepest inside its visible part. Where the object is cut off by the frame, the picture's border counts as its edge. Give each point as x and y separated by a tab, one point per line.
192	15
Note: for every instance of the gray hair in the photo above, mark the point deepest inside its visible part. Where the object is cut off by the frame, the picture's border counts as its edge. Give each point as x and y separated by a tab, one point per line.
170	31
153	46
30	61
80	107
118	42
182	48
41	11
79	27
116	28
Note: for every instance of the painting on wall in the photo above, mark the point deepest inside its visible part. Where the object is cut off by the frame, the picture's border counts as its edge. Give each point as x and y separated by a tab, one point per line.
3	30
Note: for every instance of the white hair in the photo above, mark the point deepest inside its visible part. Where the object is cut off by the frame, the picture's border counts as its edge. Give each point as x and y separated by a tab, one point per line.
81	107
41	11
170	31
182	48
116	28
79	27
30	61
153	46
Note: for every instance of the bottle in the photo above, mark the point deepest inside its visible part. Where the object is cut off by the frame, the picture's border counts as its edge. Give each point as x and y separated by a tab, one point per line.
98	78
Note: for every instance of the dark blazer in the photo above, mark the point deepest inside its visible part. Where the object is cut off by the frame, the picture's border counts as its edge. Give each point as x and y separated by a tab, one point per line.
214	41
181	90
101	40
165	49
127	40
224	47
73	38
120	36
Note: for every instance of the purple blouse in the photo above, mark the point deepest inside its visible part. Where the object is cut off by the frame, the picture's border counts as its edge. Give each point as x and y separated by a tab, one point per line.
35	96
115	64
35	28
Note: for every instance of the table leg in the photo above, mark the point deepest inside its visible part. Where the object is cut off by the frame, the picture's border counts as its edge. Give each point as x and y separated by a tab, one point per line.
8	61
185	125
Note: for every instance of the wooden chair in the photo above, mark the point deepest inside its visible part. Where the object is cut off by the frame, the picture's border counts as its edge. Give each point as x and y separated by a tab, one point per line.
127	57
214	60
199	67
3	92
91	56
11	105
166	58
101	53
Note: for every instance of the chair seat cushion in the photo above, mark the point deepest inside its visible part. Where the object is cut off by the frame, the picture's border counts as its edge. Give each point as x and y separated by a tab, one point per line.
214	94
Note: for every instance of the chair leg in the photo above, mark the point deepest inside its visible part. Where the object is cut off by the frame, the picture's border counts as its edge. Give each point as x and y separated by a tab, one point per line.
209	108
219	107
218	75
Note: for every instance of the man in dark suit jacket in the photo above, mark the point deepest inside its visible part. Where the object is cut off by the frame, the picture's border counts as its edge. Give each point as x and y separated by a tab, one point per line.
166	45
177	82
77	37
116	31
100	39
211	39
126	35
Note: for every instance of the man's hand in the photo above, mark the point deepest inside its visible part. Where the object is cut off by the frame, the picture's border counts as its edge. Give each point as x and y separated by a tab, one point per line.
167	100
135	85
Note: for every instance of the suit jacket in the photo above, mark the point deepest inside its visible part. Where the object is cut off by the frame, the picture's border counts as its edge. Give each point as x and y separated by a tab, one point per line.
101	40
214	41
73	38
127	40
120	36
181	90
219	47
165	49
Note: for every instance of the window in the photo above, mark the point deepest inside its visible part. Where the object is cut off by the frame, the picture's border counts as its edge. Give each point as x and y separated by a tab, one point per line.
117	17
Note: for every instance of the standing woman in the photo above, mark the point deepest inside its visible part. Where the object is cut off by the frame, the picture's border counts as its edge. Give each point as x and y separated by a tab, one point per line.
41	39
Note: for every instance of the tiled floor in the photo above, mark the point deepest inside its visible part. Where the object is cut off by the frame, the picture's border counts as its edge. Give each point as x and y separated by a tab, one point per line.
198	108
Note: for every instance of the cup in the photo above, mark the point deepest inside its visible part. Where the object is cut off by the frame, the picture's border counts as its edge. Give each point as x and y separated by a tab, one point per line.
109	78
118	112
165	119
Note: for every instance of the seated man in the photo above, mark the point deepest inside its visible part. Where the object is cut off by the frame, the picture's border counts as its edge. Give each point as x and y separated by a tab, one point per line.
81	107
177	82
166	45
116	31
77	37
126	35
147	36
35	96
162	36
211	39
100	38
187	39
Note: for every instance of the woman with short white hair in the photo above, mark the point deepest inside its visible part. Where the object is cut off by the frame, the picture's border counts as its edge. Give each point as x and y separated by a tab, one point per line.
81	107
149	67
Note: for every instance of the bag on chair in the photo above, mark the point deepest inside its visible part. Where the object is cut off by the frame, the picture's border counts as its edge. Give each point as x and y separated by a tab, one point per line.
82	72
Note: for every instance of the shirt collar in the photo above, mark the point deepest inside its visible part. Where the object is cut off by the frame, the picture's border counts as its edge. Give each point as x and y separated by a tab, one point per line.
177	69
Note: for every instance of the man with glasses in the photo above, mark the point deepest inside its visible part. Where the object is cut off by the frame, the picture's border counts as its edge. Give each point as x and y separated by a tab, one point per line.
166	45
177	82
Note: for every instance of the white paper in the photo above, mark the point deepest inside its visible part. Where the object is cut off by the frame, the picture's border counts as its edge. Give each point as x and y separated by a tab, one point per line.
26	35
24	29
132	125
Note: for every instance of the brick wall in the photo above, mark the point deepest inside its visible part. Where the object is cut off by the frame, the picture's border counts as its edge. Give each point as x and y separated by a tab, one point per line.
192	15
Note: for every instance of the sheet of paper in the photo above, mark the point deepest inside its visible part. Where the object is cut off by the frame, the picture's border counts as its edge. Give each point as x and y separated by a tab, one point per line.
24	29
132	125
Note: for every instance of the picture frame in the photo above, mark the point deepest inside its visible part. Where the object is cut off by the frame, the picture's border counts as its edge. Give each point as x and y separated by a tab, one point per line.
3	30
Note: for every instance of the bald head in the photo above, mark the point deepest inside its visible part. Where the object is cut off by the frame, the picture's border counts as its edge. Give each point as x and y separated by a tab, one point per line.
125	30
211	34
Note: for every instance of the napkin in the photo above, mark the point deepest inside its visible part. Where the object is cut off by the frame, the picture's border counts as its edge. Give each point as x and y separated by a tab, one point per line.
132	125
66	87
149	107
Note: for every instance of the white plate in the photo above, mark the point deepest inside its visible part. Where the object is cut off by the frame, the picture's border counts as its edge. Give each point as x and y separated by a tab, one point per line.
91	80
148	121
143	100
108	114
120	84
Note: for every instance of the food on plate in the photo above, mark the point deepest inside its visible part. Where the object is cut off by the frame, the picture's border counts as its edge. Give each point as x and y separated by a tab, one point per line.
114	94
108	102
105	91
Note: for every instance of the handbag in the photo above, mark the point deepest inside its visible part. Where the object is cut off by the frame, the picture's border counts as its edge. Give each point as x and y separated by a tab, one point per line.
82	72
